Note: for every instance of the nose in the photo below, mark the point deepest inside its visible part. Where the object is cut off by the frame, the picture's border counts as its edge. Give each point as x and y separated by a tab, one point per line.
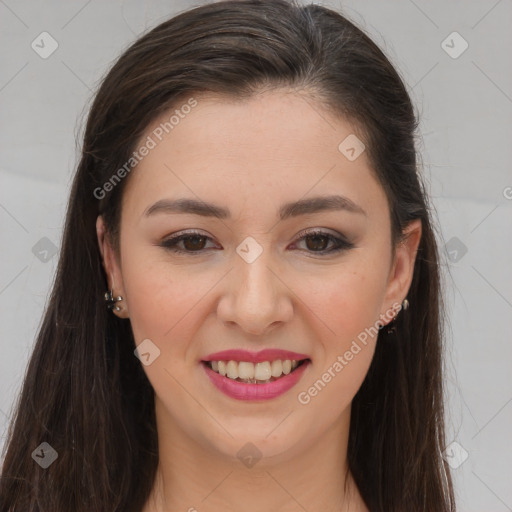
257	298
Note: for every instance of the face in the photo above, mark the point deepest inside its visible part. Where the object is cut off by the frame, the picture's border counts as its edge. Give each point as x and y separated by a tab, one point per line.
308	280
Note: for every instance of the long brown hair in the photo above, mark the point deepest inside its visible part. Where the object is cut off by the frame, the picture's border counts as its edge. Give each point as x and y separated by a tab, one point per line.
86	394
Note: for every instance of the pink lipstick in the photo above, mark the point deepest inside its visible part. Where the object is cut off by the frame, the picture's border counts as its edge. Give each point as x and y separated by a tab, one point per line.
269	354
263	375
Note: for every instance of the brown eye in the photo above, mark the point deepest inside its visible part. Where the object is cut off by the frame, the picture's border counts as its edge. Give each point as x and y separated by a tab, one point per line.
191	243
318	242
194	242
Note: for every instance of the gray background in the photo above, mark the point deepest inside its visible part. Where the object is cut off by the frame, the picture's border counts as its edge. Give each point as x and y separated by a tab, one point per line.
466	108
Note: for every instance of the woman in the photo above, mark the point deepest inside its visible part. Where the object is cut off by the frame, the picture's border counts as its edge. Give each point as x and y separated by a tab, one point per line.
247	309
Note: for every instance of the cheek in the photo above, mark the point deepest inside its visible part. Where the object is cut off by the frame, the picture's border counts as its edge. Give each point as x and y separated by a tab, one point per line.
348	303
162	300
349	306
347	299
165	304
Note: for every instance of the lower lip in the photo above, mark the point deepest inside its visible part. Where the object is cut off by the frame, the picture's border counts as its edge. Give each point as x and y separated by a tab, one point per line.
243	391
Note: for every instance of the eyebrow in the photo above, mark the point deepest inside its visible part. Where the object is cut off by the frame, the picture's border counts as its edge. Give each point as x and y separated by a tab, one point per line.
293	209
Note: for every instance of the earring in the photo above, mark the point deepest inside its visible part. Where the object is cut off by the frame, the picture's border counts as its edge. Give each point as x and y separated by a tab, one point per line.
392	325
111	301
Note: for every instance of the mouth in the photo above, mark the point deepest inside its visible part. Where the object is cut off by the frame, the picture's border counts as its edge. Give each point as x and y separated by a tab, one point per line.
255	376
263	372
255	381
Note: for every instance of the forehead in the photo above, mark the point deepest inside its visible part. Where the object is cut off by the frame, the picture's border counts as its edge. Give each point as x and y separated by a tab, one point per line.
271	145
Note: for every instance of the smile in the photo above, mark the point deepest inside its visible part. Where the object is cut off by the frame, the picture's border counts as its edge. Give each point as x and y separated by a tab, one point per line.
254	373
250	376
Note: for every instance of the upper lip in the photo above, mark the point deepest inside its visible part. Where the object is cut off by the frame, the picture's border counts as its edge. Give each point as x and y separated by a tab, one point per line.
269	354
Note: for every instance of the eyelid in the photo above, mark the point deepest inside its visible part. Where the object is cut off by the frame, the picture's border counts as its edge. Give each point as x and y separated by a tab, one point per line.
178	235
320	230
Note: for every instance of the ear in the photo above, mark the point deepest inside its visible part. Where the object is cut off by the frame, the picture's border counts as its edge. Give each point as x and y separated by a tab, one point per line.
402	268
112	268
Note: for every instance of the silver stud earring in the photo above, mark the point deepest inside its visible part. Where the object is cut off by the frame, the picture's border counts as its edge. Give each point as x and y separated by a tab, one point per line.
111	300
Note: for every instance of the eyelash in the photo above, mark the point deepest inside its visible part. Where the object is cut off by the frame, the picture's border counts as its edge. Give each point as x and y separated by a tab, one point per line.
340	243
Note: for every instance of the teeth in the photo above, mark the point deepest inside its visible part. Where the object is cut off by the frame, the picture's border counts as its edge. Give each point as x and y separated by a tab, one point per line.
262	371
232	369
277	368
287	366
250	372
245	370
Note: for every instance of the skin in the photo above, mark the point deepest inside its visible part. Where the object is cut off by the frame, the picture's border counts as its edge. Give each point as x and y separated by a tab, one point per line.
252	156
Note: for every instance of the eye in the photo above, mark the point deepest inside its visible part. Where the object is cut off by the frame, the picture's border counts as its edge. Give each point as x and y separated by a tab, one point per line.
194	242
319	240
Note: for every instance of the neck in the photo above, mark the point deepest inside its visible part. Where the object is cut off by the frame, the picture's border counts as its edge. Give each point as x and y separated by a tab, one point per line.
193	477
